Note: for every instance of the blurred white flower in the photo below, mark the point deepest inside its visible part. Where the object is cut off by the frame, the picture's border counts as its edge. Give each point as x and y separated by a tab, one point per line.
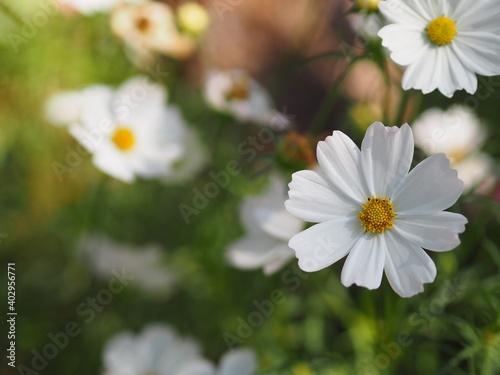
371	209
365	25
458	133
90	7
474	170
269	228
237	362
192	161
443	43
157	350
131	131
151	27
238	94
63	108
145	263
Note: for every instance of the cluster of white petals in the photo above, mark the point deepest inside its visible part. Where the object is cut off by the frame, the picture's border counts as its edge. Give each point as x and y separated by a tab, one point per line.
235	92
458	133
443	43
159	350
130	131
403	211
269	227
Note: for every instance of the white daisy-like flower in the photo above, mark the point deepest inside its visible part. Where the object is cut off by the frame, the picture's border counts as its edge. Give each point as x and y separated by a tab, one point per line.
269	228
131	131
157	350
458	133
443	43
238	94
145	263
151	27
371	209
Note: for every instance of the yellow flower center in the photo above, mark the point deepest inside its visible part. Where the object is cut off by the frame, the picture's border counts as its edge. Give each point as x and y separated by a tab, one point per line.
442	31
143	24
123	139
368	4
238	90
377	215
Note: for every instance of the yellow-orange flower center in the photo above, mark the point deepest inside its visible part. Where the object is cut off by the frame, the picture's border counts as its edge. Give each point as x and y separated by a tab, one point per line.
377	215
442	31
143	24
123	139
238	89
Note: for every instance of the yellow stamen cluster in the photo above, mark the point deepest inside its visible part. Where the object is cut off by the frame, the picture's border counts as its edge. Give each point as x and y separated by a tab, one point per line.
377	215
442	31
368	4
238	90
143	24
123	139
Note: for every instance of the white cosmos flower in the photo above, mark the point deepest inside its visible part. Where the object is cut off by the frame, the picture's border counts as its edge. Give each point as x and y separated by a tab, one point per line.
145	262
371	209
269	228
458	133
443	43
157	350
238	94
151	27
131	131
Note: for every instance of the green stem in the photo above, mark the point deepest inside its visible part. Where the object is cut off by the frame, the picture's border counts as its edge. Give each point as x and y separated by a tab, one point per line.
333	54
326	106
402	107
9	12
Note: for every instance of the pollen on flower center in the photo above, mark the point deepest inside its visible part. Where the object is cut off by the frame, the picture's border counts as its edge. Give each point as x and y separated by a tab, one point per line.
442	31
123	139
377	215
238	90
143	24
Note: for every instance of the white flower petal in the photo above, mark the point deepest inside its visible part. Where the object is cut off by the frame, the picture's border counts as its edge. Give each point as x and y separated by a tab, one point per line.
430	187
479	51
111	162
407	266
196	367
339	159
254	251
312	198
406	44
138	99
403	12
437	232
120	356
279	256
365	263
324	244
386	156
238	362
